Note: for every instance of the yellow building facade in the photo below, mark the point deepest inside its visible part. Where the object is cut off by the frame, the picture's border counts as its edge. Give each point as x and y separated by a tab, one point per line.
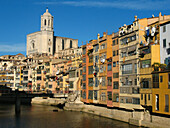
161	92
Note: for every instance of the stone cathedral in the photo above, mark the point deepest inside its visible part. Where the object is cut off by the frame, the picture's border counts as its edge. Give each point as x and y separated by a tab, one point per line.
44	41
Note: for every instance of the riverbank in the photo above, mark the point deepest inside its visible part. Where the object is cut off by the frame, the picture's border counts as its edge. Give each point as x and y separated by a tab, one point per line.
137	118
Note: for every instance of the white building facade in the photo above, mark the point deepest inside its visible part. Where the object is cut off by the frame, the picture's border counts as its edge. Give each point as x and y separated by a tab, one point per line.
165	42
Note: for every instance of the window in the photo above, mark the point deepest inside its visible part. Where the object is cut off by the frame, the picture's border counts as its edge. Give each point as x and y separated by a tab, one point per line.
149	97
115	85
164	28
123	54
109	81
157	102
145	84
90	94
161	78
38	77
135	68
145	63
71	44
95	95
84	85
135	90
71	84
109	67
166	103
90	59
84	51
135	101
84	95
114	64
115	97
109	95
45	22
96	48
114	53
103	96
117	62
164	43
84	77
128	100
62	44
48	22
96	59
103	46
96	82
84	69
127	40
103	81
113	43
84	60
141	96
115	75
38	71
72	74
90	81
49	50
33	45
127	69
90	70
117	52
155	78
102	68
135	81
50	86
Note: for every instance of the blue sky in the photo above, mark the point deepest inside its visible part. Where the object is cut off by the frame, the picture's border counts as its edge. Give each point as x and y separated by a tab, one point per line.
77	19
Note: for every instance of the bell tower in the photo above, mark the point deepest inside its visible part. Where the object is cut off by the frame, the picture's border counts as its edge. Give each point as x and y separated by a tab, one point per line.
46	21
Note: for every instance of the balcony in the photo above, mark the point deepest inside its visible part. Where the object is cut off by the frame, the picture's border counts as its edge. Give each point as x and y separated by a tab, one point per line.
146	70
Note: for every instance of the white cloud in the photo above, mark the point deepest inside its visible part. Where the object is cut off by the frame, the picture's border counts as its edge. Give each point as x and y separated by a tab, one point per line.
122	4
12	47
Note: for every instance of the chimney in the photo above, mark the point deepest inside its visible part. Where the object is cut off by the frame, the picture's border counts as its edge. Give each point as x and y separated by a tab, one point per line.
98	36
104	34
136	18
160	15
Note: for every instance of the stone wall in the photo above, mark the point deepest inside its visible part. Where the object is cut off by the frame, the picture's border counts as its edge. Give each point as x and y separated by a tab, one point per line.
135	117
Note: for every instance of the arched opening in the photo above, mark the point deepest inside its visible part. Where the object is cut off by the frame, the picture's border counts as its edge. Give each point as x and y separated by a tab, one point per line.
45	22
33	45
62	44
48	22
70	43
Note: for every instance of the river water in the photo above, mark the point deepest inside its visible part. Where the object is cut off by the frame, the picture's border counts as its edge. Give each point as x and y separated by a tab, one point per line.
38	116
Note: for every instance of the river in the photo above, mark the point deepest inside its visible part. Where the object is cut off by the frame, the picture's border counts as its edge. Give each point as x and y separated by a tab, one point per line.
38	116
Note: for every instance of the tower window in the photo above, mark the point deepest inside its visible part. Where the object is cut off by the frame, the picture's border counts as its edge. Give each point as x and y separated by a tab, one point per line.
49	49
33	45
45	22
70	43
48	22
62	44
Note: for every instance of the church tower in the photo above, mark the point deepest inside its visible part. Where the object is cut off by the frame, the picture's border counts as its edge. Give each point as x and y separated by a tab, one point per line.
46	21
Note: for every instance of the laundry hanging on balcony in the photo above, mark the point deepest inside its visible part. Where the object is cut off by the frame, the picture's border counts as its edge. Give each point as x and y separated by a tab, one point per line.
153	30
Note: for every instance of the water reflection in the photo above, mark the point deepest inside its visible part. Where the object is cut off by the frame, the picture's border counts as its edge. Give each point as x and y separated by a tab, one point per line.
37	116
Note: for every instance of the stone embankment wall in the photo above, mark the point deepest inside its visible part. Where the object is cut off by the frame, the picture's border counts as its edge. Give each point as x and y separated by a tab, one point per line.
135	117
48	101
